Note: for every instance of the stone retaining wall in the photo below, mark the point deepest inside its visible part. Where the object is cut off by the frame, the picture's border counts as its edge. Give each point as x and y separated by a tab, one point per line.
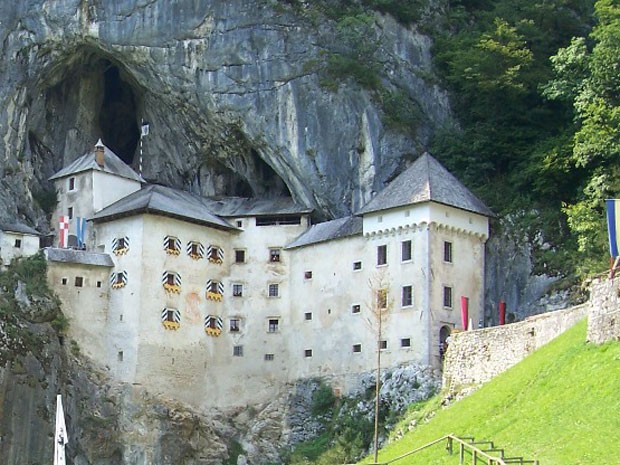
474	357
604	317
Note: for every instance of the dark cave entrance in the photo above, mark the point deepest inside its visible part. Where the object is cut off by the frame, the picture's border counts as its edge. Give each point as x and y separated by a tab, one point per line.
118	115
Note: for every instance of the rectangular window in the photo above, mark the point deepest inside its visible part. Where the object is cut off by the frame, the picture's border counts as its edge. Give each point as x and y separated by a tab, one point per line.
405	342
72	183
274	255
70	212
79	281
274	290
237	351
269	357
18	243
234	326
405	247
239	256
447	296
382	345
407	296
240	223
237	290
98	283
308	316
382	297
64	281
356	308
357	348
273	325
357	266
120	355
447	252
308	353
381	255
307	274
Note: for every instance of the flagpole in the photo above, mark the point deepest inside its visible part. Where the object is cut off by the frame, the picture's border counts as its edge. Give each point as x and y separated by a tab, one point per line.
144	131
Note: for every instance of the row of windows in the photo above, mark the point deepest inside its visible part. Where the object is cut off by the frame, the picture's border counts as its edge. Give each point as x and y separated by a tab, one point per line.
406	253
405	343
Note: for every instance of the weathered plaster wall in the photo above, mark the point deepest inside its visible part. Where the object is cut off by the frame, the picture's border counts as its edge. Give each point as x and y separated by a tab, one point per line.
474	357
604	316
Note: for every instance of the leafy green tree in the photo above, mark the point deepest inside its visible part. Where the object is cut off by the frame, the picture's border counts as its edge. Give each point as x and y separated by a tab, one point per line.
590	79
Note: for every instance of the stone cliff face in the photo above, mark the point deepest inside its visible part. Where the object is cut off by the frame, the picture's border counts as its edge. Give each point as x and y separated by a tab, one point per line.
231	91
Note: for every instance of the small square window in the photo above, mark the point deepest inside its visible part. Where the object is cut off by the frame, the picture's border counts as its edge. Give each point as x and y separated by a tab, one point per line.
99	283
383	345
274	255
234	325
237	290
308	353
307	274
381	255
447	252
18	243
356	308
274	290
79	281
273	325
238	351
308	316
405	251
240	223
269	357
357	266
72	183
64	281
407	296
239	256
447	296
70	212
405	342
357	348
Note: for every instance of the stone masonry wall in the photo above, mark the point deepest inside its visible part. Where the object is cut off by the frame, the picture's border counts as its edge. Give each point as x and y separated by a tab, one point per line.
474	357
604	316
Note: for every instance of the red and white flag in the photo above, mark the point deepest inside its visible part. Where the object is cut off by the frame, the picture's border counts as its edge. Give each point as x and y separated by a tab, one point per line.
63	237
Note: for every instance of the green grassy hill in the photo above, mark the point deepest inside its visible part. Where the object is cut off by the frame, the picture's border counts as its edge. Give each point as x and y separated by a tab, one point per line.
561	405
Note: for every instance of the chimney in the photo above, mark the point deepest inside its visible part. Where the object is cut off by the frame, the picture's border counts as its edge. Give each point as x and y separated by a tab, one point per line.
99	153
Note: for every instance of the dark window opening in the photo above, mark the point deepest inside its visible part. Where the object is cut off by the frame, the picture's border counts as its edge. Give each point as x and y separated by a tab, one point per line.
278	220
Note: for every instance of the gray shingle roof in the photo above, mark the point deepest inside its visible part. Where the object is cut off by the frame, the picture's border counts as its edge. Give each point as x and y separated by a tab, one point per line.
165	201
19	228
78	256
112	164
426	180
230	207
329	230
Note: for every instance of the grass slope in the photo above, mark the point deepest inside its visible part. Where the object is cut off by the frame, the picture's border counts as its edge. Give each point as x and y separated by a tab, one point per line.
561	405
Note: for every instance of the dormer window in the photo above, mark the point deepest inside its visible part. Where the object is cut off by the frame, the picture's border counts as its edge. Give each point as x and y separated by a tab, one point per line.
195	250
215	255
172	245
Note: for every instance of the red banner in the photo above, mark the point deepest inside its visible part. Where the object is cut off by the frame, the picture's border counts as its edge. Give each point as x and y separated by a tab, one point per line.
464	311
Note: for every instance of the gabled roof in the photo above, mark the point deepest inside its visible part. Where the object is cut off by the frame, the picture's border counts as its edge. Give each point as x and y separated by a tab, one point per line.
112	164
329	230
424	181
19	228
164	201
78	256
230	207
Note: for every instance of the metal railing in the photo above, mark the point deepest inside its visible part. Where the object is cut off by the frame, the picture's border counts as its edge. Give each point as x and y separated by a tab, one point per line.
480	452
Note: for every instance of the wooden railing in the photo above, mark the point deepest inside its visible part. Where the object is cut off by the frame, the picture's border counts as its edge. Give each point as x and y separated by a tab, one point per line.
479	451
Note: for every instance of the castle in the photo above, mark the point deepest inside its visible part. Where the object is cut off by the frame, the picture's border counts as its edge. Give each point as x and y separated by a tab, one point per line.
222	302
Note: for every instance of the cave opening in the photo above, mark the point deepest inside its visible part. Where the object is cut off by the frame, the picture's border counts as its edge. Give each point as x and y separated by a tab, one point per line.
118	115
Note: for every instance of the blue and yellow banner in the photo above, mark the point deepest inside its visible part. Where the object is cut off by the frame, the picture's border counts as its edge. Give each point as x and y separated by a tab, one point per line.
613	224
